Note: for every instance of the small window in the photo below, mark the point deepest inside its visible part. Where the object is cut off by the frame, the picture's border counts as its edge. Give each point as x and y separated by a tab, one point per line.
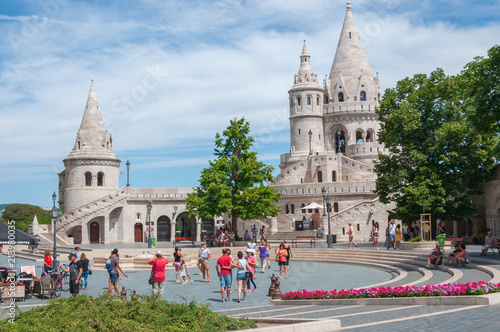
308	100
335	207
334	176
88	179
357	227
319	136
287	211
139	216
303	205
79	147
341	96
362	96
320	176
350	35
293	208
343	230
299	131
298	101
317	100
100	179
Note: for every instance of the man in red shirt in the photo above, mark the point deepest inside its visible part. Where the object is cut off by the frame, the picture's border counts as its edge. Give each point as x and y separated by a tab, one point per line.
224	273
158	271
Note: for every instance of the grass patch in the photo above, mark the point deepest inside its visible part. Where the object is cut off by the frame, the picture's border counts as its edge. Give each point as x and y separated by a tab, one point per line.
84	313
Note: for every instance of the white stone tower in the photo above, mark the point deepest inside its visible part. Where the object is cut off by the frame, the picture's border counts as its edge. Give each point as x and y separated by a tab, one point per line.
91	168
306	110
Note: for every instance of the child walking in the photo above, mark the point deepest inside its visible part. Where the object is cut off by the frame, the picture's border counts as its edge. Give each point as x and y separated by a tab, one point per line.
184	271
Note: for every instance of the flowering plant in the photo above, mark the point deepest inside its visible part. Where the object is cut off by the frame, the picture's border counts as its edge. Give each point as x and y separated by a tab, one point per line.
474	288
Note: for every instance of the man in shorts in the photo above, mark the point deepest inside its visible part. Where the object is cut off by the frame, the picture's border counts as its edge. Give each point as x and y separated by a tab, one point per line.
392	234
75	272
435	258
223	268
350	232
204	256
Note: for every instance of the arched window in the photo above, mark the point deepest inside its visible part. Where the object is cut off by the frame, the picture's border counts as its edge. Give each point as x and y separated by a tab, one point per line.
320	176
308	100
79	146
334	176
88	179
369	137
293	209
335	207
291	102
341	96
287	211
317	100
379	97
298	101
100	179
359	137
362	96
139	216
302	206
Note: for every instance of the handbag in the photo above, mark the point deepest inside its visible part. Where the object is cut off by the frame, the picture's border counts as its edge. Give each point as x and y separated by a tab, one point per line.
152	277
90	271
81	281
277	259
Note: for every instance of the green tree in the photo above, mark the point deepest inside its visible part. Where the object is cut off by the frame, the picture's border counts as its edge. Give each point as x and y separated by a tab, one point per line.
439	152
235	183
23	215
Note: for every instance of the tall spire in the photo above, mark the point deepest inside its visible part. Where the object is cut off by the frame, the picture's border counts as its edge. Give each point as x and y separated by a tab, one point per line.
305	62
350	57
92	139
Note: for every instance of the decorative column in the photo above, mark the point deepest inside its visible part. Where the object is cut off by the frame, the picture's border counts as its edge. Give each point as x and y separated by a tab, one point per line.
85	233
274	225
198	230
105	233
172	230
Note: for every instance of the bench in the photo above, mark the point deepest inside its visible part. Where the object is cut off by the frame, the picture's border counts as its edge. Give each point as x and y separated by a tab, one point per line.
492	248
184	240
451	240
304	239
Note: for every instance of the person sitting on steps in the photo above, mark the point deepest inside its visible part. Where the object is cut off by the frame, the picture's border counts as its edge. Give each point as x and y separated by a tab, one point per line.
435	258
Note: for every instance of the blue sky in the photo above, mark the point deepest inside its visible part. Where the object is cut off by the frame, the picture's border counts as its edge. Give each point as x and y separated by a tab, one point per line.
204	63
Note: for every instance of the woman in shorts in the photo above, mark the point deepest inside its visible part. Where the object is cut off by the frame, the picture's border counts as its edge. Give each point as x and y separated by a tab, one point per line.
375	235
241	276
282	260
177	263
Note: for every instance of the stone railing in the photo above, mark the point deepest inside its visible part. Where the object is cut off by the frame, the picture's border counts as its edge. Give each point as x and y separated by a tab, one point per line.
314	189
355	166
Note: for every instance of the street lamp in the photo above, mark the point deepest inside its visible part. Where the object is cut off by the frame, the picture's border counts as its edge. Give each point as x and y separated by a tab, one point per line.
150	240
323	193
128	171
329	208
54	213
310	133
175	211
339	132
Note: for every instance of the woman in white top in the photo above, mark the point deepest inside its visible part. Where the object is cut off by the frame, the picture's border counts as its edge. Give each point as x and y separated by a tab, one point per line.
375	235
241	276
251	245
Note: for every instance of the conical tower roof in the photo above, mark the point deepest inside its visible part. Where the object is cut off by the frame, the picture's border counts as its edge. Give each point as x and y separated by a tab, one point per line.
92	139
350	58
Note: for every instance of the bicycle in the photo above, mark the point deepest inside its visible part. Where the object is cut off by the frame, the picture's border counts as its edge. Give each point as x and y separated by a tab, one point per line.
61	281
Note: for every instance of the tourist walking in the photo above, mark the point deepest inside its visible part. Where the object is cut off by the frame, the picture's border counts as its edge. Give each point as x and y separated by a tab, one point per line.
184	272
282	260
223	267
251	263
205	267
254	233
114	274
350	232
268	253
392	234
405	228
47	262
75	272
177	263
35	246
85	270
263	233
158	273
263	255
375	235
241	276
251	245
289	254
398	236
76	252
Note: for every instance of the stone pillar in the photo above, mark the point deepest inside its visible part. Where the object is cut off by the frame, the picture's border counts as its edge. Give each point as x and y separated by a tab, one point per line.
172	230
198	230
105	233
455	235
85	233
274	225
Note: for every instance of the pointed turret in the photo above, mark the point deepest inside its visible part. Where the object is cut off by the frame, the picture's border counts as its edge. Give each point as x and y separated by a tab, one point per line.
350	61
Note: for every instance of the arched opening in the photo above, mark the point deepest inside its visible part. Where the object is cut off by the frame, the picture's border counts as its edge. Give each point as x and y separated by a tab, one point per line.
88	179
76	234
341	96
185	227
163	231
138	232
369	135
308	100
335	207
359	137
79	146
207	227
302	206
94	232
287	210
340	142
317	100
334	176
320	176
292	209
298	101
100	179
362	96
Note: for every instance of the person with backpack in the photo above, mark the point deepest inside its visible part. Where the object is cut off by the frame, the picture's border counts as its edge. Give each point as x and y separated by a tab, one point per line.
75	272
158	273
114	269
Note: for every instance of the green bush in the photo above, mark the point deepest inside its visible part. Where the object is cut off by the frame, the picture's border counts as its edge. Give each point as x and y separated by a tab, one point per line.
415	239
84	313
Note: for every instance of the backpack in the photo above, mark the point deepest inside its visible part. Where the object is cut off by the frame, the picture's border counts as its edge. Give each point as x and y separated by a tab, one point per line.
108	265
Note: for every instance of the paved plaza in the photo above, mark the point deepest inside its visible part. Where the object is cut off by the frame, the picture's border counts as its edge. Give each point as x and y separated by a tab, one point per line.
315	274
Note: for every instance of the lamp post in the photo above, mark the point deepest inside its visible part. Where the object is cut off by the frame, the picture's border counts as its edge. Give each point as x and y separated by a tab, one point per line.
310	133
150	240
339	132
323	193
329	208
128	171
175	211
54	213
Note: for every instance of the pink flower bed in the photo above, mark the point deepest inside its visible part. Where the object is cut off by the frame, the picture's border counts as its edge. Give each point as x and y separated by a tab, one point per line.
474	288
